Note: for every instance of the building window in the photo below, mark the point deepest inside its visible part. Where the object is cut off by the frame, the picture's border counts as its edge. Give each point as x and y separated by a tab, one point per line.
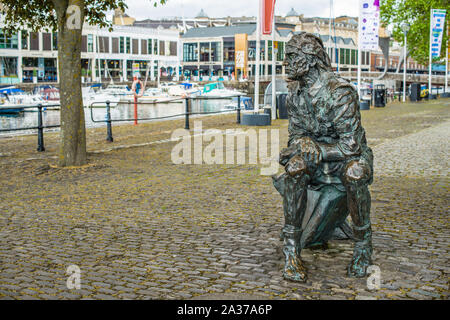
280	55
115	45
90	43
8	41
8	67
104	44
122	45
251	50
341	56
190	52
204	51
228	51
135	49
216	51
149	46
128	45
162	48
269	53
24	40
144	46
55	41
155	47
347	56
354	58
173	48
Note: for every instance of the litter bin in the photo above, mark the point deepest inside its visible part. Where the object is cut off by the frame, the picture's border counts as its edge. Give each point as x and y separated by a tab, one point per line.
380	95
364	105
268	110
415	92
282	106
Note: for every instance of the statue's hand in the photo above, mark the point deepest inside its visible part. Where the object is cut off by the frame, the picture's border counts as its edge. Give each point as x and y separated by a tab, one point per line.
308	149
296	166
287	153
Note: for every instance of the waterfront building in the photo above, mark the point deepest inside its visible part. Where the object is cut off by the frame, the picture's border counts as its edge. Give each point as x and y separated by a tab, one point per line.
105	56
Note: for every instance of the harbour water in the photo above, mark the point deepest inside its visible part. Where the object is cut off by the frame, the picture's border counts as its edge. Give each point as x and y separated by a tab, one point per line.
121	111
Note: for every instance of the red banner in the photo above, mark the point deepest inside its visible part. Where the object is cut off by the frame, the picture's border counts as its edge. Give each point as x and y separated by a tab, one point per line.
268	10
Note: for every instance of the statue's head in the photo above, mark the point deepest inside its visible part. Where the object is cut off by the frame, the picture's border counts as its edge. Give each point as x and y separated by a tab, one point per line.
303	52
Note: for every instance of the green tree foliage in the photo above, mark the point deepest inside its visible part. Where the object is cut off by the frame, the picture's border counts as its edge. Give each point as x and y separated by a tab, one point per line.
56	15
417	14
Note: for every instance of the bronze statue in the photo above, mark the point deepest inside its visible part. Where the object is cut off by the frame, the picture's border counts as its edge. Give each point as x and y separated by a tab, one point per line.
327	162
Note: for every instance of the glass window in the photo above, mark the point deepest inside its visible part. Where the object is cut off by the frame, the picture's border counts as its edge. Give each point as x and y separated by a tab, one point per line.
216	51
280	55
55	40
155	47
342	56
128	45
228	51
122	45
90	43
190	52
8	41
252	51
269	51
149	46
24	40
347	56
204	51
354	59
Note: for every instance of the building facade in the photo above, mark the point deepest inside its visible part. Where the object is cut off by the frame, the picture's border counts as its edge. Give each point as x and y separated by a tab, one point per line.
32	56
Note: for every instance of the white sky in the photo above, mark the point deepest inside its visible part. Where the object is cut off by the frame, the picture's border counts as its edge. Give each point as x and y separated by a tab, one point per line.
142	9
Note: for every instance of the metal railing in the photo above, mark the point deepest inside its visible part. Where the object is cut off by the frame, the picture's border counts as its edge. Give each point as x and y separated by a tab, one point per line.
108	120
187	113
40	126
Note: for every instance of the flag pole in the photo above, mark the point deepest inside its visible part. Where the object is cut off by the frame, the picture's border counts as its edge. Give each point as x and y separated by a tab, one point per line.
258	54
446	60
359	49
430	58
274	71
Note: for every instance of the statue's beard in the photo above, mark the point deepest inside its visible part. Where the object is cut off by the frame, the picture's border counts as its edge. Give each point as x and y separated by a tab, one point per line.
301	68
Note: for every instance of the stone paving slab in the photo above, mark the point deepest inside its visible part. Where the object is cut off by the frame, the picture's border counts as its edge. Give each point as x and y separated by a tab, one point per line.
140	227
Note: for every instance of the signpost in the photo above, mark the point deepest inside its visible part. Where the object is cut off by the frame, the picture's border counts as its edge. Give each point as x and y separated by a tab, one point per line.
368	25
437	22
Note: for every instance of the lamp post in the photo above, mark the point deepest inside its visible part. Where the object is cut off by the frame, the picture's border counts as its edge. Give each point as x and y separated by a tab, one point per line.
405	29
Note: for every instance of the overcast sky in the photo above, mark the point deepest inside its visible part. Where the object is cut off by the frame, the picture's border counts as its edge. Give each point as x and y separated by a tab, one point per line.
142	9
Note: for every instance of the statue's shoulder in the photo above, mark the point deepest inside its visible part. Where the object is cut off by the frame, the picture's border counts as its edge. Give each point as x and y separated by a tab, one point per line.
337	85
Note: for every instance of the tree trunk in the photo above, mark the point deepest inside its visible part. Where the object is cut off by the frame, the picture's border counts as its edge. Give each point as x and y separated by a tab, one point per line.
72	151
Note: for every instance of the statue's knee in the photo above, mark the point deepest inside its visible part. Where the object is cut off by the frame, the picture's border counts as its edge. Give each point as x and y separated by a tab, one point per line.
357	172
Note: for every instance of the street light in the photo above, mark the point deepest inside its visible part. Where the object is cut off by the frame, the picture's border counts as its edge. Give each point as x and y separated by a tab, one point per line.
405	29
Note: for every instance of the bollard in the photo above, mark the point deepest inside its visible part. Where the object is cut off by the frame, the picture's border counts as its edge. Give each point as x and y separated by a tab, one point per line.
109	136
135	111
239	111
40	147
186	126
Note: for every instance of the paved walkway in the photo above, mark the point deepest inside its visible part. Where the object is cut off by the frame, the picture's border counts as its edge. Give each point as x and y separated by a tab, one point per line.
140	227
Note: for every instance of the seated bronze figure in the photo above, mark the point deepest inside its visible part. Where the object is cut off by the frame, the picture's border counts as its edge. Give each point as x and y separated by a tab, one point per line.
327	162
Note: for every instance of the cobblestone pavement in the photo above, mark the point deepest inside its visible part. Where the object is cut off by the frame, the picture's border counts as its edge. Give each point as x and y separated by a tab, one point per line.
140	227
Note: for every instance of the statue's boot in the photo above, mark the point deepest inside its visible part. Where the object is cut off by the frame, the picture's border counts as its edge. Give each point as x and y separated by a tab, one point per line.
362	254
358	197
294	192
294	268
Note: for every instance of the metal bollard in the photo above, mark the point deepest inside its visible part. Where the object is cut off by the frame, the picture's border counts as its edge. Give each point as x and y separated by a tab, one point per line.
186	125
109	136
40	147
239	111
